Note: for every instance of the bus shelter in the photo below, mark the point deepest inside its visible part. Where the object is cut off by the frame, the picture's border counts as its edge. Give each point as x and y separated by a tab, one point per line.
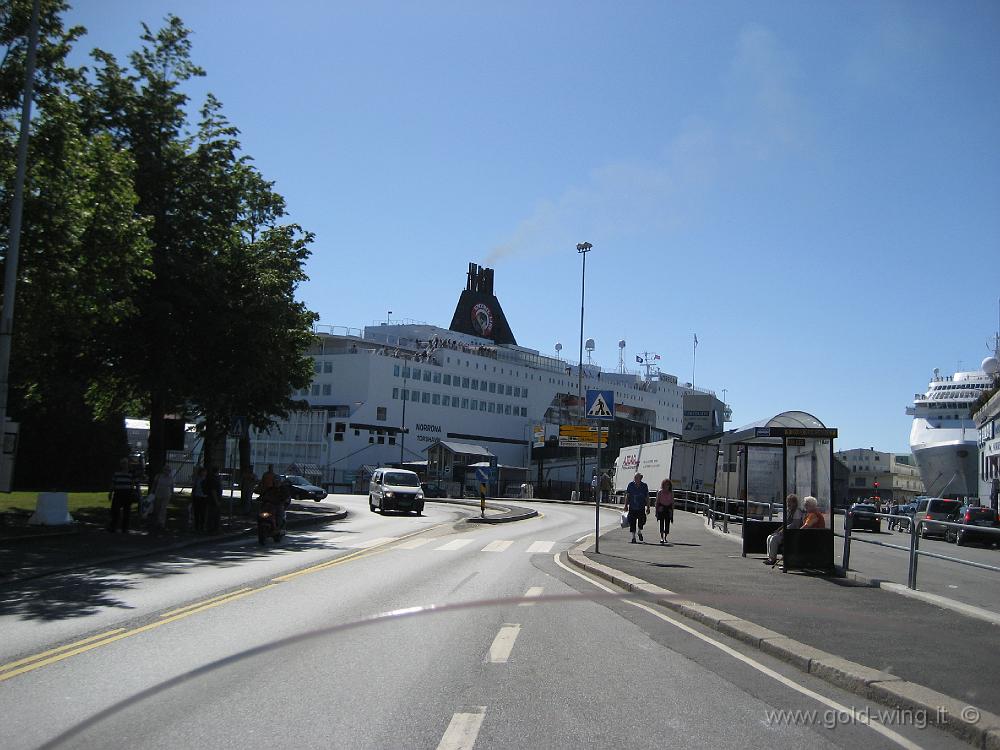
791	453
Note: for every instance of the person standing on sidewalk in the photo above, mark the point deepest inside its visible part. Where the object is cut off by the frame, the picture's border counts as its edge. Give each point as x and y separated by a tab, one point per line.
199	500
163	491
124	491
636	502
213	500
665	508
605	487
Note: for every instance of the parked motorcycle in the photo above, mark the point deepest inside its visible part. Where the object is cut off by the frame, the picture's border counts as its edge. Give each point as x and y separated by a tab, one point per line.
271	518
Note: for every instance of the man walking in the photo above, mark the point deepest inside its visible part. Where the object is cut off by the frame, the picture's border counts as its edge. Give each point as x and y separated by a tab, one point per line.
636	502
605	487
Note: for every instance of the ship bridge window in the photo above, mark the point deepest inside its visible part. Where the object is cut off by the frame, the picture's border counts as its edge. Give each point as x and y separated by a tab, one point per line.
437	377
416	373
465	382
475	384
510	390
493	387
447	379
427	376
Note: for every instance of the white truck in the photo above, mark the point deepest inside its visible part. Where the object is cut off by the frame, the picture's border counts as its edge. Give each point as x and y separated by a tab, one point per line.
689	466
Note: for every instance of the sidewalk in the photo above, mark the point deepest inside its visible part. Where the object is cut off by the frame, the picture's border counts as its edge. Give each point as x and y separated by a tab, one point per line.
910	639
36	553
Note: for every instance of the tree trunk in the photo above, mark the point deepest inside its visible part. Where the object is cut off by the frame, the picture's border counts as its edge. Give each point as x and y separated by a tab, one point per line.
246	488
156	446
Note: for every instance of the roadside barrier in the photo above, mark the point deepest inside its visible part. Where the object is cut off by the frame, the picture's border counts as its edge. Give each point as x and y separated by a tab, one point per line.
915	527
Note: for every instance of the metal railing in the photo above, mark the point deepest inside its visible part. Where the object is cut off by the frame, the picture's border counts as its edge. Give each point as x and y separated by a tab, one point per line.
913	549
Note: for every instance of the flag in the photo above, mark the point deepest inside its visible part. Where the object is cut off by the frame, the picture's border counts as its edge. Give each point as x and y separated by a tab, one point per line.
638	359
696	339
656	356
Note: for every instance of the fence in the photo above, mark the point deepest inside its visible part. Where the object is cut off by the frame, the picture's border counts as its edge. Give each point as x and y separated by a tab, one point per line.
915	526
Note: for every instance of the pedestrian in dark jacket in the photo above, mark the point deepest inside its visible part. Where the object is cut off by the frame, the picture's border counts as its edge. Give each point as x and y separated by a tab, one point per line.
199	500
124	491
213	498
636	502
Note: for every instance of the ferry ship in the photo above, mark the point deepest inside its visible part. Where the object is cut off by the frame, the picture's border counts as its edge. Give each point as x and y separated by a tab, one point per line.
943	438
381	395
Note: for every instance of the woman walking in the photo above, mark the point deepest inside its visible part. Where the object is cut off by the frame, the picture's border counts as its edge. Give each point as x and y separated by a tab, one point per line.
665	508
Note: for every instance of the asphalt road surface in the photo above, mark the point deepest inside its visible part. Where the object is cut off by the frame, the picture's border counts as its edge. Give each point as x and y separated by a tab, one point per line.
405	632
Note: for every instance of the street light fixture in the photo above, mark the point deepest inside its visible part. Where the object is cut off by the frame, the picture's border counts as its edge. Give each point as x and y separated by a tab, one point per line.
582	248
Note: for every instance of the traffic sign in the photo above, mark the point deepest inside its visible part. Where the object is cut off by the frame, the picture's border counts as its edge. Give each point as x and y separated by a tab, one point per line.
600	404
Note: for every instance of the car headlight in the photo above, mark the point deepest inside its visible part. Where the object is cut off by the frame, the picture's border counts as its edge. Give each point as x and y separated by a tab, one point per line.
388	494
420	496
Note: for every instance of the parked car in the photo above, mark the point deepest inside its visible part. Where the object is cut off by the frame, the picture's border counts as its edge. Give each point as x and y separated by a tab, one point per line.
975	515
863	517
302	488
395	489
931	509
432	490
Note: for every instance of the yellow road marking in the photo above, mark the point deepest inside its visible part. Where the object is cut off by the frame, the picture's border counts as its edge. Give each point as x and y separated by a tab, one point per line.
51	651
128	633
31	663
205	601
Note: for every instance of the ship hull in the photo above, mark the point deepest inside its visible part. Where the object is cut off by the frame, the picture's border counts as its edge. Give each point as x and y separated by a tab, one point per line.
947	458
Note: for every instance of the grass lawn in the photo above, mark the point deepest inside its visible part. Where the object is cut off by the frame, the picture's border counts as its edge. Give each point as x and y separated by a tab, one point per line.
25	501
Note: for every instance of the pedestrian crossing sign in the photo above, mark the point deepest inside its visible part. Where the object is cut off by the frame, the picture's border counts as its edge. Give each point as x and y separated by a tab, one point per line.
600	404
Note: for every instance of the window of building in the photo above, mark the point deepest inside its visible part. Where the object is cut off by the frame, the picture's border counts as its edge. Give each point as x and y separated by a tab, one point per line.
427	376
436	399
371	439
319	367
446	401
482	406
499	408
416	373
510	390
381	440
437	377
465	382
475	384
327	389
328	367
340	427
506	409
392	440
395	394
524	392
425	397
465	403
414	395
454	403
338	437
395	371
357	433
315	389
447	379
492	407
406	372
493	387
517	391
380	413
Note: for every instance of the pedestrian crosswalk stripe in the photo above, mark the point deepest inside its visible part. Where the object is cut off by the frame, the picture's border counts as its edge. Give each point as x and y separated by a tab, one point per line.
498	546
540	547
532	593
453	545
412	544
365	544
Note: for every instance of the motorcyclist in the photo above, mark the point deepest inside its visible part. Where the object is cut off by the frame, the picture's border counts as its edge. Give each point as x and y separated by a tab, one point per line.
276	499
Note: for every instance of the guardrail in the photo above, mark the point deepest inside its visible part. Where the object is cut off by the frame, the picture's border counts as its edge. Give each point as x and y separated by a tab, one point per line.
914	528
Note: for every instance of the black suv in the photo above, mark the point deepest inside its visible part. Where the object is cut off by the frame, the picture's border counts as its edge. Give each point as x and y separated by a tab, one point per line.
975	515
863	517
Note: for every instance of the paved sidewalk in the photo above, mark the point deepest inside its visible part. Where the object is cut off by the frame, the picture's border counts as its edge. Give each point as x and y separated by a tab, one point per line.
41	553
911	639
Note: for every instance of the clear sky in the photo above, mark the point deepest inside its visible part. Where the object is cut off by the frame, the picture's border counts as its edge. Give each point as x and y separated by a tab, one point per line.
811	187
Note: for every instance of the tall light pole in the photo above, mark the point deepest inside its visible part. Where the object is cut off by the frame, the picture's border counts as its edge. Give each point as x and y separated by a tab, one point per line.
582	248
405	394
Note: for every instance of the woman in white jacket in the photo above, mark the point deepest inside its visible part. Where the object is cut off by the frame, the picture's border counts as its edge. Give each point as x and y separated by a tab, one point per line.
163	490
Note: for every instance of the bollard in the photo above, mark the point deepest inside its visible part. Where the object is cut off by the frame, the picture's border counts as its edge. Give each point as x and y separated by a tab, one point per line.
846	561
725	518
911	581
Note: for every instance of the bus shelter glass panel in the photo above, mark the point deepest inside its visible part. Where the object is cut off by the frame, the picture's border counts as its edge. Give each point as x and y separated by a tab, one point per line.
762	479
809	466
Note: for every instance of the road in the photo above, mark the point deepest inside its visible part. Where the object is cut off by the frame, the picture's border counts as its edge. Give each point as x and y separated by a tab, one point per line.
559	670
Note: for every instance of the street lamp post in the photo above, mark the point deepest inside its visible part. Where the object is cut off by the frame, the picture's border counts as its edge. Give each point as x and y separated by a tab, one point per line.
405	395
582	248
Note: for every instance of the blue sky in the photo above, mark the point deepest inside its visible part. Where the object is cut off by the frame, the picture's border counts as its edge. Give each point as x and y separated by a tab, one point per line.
813	188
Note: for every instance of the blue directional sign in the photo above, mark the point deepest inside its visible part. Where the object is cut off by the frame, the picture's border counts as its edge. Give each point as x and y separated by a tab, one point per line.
483	474
600	405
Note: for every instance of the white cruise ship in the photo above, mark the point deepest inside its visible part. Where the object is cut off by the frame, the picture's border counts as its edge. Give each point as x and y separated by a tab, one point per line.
944	439
383	394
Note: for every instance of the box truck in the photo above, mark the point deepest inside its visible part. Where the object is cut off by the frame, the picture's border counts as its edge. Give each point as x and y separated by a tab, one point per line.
689	466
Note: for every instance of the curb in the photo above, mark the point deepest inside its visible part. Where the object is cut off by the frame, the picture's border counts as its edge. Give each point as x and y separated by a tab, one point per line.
513	512
943	711
336	516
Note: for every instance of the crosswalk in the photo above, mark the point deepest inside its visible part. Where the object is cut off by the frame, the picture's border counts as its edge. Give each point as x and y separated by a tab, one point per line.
438	544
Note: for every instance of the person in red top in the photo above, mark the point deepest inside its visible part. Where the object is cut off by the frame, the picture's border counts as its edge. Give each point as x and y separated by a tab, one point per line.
665	508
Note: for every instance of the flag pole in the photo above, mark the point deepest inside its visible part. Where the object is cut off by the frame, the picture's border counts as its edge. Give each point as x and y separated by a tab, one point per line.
694	360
